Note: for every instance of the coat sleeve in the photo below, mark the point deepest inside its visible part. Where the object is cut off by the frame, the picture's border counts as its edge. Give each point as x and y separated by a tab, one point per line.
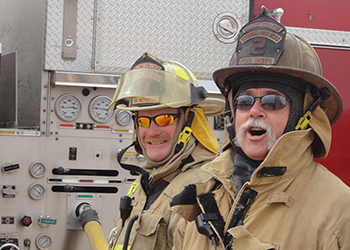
187	237
243	239
338	239
178	237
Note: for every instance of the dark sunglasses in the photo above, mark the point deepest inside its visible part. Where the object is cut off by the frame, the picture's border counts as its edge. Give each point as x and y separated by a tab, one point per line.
272	102
161	120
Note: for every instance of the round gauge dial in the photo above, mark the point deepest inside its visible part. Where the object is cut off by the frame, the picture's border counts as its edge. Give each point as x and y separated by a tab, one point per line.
98	109
43	242
124	117
37	169
36	191
68	107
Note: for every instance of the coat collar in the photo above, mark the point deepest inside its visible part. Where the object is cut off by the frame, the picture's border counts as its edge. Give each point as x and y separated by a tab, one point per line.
290	152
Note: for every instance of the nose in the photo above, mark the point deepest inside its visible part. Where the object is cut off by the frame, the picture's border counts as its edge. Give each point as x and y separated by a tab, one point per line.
257	111
153	129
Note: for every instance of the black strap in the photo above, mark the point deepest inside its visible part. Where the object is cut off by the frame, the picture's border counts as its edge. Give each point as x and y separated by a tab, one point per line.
242	207
154	191
323	94
212	213
185	161
157	188
187	129
134	169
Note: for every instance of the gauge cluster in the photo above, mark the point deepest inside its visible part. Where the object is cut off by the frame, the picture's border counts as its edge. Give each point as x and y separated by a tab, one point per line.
90	110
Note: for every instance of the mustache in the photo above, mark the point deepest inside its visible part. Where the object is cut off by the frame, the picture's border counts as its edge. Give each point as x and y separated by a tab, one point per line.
258	123
252	122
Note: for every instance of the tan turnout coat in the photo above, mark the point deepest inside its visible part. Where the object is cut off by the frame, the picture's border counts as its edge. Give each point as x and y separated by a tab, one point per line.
154	228
299	204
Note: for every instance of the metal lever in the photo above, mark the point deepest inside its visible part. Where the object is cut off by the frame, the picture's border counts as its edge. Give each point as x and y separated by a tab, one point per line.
277	13
69	49
10	245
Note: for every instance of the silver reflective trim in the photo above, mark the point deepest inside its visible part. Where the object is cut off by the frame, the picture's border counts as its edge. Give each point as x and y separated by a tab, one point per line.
85	80
331	39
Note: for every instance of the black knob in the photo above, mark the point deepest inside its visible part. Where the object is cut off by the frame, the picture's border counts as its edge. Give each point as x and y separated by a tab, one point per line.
26	221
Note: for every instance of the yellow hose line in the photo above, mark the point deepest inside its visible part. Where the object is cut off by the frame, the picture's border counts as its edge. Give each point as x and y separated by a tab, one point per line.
95	235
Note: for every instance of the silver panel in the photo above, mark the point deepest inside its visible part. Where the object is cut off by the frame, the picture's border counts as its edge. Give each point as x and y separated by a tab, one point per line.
54	35
325	38
8	91
171	30
21	31
69	38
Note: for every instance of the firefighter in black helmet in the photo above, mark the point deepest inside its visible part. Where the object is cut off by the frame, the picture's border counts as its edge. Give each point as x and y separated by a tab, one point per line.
173	134
267	191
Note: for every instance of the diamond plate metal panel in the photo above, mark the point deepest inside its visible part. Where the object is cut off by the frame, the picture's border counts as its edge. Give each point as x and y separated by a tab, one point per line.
112	34
54	36
171	30
326	38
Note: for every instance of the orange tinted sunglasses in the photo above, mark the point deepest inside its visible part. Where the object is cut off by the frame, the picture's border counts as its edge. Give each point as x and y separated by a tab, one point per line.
162	120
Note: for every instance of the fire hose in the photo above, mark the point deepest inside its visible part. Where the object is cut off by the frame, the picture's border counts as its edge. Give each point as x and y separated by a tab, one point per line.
90	223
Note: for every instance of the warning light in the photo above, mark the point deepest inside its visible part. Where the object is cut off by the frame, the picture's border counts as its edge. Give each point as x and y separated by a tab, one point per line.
66	125
6	132
102	127
86	181
85	196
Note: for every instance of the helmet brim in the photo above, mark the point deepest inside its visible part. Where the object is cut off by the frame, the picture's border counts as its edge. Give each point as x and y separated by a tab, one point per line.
210	106
333	106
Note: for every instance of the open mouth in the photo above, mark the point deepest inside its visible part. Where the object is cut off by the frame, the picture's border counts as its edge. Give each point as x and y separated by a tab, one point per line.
257	131
156	142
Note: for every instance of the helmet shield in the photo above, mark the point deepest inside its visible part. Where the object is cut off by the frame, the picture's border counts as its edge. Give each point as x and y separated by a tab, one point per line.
142	89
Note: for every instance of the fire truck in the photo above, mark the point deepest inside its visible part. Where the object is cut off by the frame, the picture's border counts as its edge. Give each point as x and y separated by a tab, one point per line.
60	65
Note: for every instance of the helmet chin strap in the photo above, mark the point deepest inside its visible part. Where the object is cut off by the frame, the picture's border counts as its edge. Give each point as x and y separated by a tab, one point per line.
305	119
134	169
184	136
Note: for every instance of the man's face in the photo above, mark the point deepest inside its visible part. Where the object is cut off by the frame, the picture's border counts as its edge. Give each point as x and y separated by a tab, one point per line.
157	140
258	128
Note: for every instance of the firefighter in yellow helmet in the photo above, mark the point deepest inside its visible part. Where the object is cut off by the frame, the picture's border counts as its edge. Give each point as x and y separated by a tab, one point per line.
173	134
267	192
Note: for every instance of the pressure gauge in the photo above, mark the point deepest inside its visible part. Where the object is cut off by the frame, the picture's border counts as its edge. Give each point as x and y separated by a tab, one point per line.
98	109
68	107
43	242
36	191
37	169
124	117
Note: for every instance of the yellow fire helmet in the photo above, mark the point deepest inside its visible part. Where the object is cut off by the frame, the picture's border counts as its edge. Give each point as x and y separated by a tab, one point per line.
152	84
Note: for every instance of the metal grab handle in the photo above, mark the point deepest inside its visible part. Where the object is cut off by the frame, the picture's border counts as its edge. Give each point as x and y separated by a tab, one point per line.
9	245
